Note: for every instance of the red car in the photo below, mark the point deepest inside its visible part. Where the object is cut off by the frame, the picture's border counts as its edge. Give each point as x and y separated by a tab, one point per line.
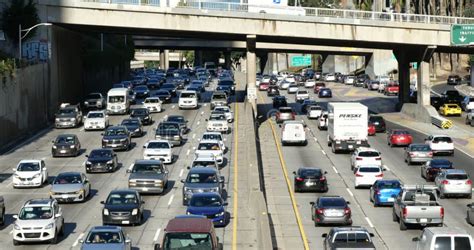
371	129
263	86
318	86
399	137
391	89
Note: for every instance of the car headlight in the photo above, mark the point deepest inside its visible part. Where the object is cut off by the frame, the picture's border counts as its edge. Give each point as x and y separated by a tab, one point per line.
86	103
16	226
134	211
36	176
73	119
54	146
136	130
16	175
187	190
110	162
80	191
188	213
216	189
124	139
221	213
88	163
72	146
57	119
49	226
106	211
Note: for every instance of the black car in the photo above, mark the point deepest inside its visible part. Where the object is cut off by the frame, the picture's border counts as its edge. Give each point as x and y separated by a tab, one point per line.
178	82
143	114
227	84
273	90
170	131
436	102
170	87
432	168
141	91
225	89
378	122
101	161
164	96
454	80
279	101
310	179
452	96
124	207
183	123
306	103
134	126
153	83
117	137
66	145
325	92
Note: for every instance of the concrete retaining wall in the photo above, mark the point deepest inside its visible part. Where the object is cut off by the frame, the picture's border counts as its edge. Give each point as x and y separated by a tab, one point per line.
419	112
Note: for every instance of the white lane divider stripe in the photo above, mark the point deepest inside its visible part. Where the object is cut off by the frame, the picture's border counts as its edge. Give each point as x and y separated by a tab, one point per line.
157	234
78	239
315	139
369	222
82	129
187	152
349	191
194	136
324	153
198	122
171	200
181	173
173	106
11	231
335	170
385	166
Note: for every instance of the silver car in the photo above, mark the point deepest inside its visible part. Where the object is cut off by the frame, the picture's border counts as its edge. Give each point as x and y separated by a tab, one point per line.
454	182
148	176
70	187
418	152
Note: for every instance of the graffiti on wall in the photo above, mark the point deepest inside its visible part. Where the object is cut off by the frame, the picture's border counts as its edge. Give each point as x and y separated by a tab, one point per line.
37	50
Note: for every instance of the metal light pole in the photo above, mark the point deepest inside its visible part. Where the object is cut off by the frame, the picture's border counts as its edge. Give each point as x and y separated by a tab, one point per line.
20	36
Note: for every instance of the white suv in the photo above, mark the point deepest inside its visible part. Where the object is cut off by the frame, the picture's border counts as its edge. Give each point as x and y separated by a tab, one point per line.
38	220
366	175
301	95
215	136
228	113
217	122
159	150
211	147
365	156
440	144
30	173
188	99
96	120
153	104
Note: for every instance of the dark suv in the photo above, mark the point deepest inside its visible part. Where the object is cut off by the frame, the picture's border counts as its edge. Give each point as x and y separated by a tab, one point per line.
66	145
170	131
123	207
454	80
143	114
202	179
101	160
117	137
134	126
378	122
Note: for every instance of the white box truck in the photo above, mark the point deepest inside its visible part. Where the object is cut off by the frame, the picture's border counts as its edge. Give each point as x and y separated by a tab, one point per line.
347	126
279	7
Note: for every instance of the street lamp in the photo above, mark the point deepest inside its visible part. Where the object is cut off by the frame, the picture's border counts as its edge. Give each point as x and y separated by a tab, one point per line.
20	36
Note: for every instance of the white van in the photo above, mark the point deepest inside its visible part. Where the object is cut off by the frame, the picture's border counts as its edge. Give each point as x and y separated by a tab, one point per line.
118	101
446	238
293	132
188	99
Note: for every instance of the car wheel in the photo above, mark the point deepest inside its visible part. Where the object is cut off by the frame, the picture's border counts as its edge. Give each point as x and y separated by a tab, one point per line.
315	223
54	240
3	218
394	216
61	232
16	243
469	196
403	226
296	190
441	195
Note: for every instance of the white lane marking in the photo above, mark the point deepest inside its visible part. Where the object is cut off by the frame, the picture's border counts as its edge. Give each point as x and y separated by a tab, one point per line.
194	148
11	231
194	136
349	191
181	173
198	122
78	239
82	129
173	106
202	112
315	139
368	221
335	170
171	200
324	153
205	104
157	234
385	166
187	152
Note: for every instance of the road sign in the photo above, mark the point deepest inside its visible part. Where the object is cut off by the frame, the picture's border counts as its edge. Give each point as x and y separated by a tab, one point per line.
297	61
251	93
462	34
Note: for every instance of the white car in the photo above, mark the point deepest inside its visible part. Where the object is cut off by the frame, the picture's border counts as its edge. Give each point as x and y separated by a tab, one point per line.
323	121
284	85
188	99
211	147
381	87
153	104
96	120
205	160
214	136
158	150
314	111
366	175
365	156
467	103
293	132
301	95
30	173
440	144
454	182
290	79
38	220
330	78
349	80
292	88
309	83
229	115
217	122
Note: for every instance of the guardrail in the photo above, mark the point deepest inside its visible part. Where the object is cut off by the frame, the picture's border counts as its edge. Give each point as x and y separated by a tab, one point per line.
441	122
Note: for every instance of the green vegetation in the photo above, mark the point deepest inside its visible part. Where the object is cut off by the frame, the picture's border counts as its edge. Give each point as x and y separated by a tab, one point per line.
19	12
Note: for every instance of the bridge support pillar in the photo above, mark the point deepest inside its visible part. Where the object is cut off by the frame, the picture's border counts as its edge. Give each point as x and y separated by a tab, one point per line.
162	59
274	57
198	58
423	83
251	60
167	59
227	60
329	63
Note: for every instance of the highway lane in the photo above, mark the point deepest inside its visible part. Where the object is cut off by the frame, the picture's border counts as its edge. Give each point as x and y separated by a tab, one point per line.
341	183
80	217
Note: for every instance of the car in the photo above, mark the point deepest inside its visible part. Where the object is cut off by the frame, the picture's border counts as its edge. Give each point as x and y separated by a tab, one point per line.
123	206
354	237
349	80
365	156
148	176
226	110
366	175
204	160
153	104
102	160
141	91
215	136
382	192
293	88
210	205
263	86
454	182
170	87
227	84
66	145
379	122
70	187
325	93
30	173
38	220
134	126
431	169
470	118
417	152
285	114
202	179
188	99
106	237
306	103
301	95
211	147
440	144
310	83
180	120
451	96
467	103
331	210
217	122
373	85
68	116
164	95
219	98
323	121
117	137
371	129
391	89
454	80
318	86
158	149
310	179
399	137
470	213
449	238
198	89
314	111
450	109
96	120
170	131
279	101
143	114
330	78
273	90
284	85
94	101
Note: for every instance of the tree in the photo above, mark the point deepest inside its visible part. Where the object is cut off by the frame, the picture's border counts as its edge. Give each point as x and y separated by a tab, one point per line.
19	12
317	3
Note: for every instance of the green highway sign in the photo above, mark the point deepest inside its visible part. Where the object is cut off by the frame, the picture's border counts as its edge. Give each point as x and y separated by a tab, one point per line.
297	61
462	34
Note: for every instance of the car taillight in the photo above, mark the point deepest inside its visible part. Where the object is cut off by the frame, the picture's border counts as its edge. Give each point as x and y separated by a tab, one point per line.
320	211
378	158
293	115
445	182
412	154
299	179
358	158
441	212
347	210
379	175
469	182
404	212
430	153
377	192
323	178
359	175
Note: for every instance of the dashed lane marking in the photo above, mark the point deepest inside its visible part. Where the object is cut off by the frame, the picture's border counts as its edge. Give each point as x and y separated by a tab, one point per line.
78	239
324	153
171	200
369	222
194	136
157	234
349	191
335	170
181	173
187	152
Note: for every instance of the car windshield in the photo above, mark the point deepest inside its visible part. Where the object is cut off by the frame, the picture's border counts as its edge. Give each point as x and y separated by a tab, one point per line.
204	164
67	111
117	99
114	132
170	131
441	163
208	146
188	95
423	148
93	96
35	213
152	100
139	112
217	117
65	140
206	201
310	172
400	132
369	154
221	109
187	241
226	82
175	119
168	86
217	137
452	106
219	96
162	93
457	176
28	166
95	115
128	122
369	170
352	237
285	110
315	108
376	119
100	153
302	92
202	178
155	145
147	168
122	198
68	179
332	202
385	184
442	139
141	88
104	237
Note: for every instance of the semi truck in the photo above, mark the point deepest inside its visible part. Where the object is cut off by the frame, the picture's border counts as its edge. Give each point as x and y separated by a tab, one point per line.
347	126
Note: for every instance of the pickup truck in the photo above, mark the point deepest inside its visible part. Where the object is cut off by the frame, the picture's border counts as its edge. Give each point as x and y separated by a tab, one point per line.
417	204
470	118
391	89
348	238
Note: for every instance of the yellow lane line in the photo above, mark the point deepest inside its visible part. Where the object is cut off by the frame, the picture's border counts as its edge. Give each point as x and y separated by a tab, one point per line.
288	182
236	179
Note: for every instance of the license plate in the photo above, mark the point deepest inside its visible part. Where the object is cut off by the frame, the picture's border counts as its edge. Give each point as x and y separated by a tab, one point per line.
309	183
145	189
391	199
62	151
125	222
64	196
423	220
114	146
350	146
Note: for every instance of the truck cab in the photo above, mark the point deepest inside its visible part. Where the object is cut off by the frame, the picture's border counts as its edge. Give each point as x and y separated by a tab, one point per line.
348	238
446	238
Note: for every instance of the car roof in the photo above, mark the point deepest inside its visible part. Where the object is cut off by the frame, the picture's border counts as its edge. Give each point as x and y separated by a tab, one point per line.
209	141
367	149
66	135
455	171
331	197
38	202
368	166
122	191
96	111
202	170
117	127
30	160
446	230
69	173
106	229
141	161
197	225
353	228
206	194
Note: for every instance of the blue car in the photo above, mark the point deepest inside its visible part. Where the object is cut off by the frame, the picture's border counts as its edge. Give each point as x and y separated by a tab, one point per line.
325	92
383	192
104	238
210	205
